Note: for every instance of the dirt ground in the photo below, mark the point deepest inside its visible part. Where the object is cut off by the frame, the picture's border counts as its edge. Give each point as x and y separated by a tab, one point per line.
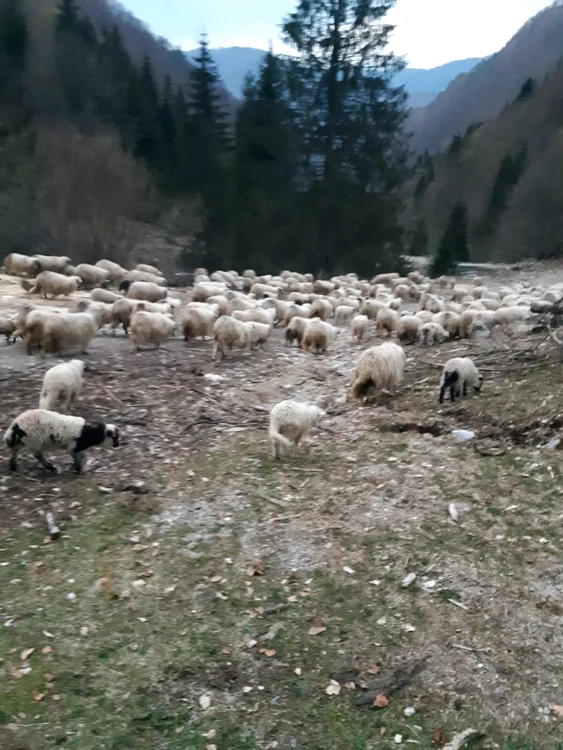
202	595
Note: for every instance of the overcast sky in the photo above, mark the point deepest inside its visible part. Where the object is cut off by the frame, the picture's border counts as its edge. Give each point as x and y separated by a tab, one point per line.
428	33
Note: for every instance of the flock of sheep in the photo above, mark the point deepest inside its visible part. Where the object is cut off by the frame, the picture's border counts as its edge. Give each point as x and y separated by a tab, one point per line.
240	311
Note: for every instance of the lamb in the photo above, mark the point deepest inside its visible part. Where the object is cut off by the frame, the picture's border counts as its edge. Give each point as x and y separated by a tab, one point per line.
229	333
21	265
459	373
317	336
7	328
258	333
116	272
55	284
150	328
61	386
290	421
39	429
144	290
68	331
381	367
295	329
432	333
104	295
359	328
92	276
56	263
199	322
387	321
408	328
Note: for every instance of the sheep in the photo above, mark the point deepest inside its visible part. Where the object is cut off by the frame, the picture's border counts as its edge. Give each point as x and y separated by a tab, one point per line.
384	278
408	328
32	325
323	287
7	328
203	290
425	316
387	321
150	278
260	290
92	276
39	429
199	322
504	316
221	303
256	314
322	308
104	295
295	329
146	268
359	328
258	333
55	284
459	373
371	307
68	331
61	386
381	367
448	320
115	271
343	315
279	306
229	333
403	291
102	313
56	263
478	281
144	290
21	265
465	323
317	336
290	421
490	304
150	328
432	333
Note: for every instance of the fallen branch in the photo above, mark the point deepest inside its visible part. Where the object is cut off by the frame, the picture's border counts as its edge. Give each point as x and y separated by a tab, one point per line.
460	739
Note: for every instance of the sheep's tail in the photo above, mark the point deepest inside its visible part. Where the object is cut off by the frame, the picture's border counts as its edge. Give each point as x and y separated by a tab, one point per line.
448	380
276	435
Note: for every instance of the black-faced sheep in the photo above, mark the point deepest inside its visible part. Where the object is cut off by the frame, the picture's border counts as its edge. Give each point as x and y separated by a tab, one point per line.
290	421
61	386
381	367
458	374
39	429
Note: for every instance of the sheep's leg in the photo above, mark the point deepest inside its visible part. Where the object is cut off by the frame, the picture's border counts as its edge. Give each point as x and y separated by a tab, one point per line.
45	462
465	388
14	457
78	461
452	393
442	393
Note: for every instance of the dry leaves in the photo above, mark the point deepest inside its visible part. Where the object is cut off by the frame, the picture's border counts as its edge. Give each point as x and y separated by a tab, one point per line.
273	631
557	711
256	568
46	650
38	696
381	701
373	670
268	651
26	653
204	702
334	688
316	629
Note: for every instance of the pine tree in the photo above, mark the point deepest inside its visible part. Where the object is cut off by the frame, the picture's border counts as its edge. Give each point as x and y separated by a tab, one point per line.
349	120
14	43
453	248
419	242
508	176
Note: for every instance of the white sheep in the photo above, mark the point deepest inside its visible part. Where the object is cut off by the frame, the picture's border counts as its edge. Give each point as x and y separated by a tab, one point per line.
432	333
39	429
150	328
384	278
381	367
146	268
198	322
290	421
425	316
256	314
458	374
68	331
359	328
371	308
102	312
61	386
55	284
343	315
116	272
21	265
144	290
229	333
318	336
149	278
104	295
7	328
408	328
92	275
387	321
504	316
31	326
260	290
258	333
465	323
322	309
448	320
295	329
323	287
56	263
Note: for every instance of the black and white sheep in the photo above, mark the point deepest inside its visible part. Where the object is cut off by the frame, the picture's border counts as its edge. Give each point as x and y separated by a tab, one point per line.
39	429
458	374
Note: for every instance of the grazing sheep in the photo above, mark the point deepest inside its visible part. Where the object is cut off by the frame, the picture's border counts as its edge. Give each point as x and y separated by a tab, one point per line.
459	373
343	315
92	276
150	328
387	321
56	263
290	421
116	272
381	367
449	321
55	284
21	265
359	328
432	333
504	316
295	329
408	328
7	328
465	324
434	305
39	429
317	336
144	290
229	333
68	331
259	333
104	295
61	386
198	322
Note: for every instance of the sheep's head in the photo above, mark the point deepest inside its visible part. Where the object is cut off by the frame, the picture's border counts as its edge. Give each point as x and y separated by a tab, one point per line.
479	384
112	436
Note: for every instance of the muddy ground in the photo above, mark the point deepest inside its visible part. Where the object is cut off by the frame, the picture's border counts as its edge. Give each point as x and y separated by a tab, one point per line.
190	543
